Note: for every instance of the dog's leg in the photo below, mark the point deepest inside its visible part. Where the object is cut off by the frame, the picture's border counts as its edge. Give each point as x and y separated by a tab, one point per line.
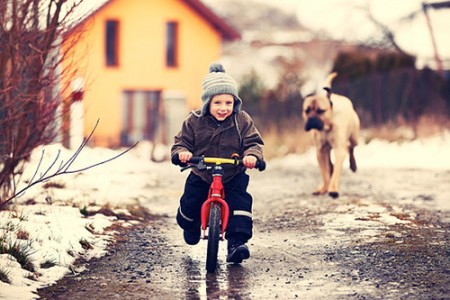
352	159
353	144
323	158
333	187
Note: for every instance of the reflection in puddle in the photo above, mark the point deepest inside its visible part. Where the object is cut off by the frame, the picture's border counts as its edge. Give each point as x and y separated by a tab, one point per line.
193	275
213	285
229	281
238	279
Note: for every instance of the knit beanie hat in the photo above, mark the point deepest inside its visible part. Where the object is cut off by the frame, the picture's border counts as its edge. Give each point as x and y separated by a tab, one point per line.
219	82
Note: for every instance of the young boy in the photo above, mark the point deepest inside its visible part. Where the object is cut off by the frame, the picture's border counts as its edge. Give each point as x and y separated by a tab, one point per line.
219	129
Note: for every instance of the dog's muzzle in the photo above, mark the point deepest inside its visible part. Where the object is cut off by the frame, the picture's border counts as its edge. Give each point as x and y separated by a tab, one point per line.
313	123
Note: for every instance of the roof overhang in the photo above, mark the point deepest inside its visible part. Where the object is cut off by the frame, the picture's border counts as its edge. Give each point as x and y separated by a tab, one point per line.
227	31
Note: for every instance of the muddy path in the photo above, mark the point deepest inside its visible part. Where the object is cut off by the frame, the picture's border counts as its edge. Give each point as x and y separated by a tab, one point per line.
386	237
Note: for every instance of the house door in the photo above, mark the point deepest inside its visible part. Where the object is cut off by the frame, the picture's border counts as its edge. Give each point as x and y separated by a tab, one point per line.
141	116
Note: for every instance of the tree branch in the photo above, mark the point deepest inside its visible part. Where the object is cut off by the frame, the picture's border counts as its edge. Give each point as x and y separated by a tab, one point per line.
387	32
64	167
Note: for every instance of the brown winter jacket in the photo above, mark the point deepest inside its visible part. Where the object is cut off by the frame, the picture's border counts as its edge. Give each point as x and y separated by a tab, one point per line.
204	135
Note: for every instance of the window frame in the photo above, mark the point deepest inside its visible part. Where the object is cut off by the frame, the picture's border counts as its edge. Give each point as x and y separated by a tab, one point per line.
112	27
172	44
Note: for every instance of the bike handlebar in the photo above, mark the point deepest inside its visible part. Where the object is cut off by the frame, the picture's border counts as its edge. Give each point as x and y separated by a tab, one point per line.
260	164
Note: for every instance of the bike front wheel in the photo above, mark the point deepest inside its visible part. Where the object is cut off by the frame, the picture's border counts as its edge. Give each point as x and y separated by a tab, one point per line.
214	231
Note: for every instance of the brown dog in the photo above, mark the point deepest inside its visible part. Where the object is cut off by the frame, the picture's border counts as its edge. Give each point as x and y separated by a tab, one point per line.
334	125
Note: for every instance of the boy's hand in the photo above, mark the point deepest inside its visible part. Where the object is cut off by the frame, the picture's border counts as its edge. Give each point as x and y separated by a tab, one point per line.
184	156
249	161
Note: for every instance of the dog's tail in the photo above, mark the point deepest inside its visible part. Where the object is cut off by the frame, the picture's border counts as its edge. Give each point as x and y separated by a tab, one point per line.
327	86
329	80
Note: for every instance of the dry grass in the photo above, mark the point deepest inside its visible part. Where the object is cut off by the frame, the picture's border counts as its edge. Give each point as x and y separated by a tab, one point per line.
292	140
4	276
296	140
400	130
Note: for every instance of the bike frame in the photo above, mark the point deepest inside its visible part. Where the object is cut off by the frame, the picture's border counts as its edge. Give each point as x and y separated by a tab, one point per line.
215	201
216	195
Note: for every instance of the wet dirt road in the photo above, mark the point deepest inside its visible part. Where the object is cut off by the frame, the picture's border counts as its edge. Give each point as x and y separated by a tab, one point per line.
386	237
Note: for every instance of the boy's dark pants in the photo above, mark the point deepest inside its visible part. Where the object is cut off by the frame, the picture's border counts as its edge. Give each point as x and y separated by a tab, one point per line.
196	190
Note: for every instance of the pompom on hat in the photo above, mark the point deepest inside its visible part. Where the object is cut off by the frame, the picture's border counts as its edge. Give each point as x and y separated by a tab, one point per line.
218	82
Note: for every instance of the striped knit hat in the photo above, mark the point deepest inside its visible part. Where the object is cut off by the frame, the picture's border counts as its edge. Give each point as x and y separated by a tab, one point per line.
219	82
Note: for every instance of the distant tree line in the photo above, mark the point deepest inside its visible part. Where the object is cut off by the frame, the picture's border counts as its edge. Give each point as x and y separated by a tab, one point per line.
387	86
384	87
277	108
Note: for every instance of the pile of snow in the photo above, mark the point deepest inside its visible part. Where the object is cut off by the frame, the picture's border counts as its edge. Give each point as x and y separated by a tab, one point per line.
52	228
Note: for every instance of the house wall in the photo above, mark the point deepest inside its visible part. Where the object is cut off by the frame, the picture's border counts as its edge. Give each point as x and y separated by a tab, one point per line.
142	64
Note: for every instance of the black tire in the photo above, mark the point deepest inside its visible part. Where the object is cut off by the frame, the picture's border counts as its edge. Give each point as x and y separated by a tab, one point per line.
214	231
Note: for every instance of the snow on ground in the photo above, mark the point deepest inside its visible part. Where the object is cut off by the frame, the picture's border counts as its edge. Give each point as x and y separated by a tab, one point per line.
54	231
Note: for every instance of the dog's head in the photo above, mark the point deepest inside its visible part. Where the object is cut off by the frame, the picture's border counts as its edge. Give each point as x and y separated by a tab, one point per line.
317	112
318	108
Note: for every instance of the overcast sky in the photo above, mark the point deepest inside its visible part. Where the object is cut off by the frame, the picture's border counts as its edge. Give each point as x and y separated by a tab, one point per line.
345	19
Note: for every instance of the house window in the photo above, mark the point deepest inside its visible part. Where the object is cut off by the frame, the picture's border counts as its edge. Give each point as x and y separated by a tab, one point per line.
172	44
112	43
140	116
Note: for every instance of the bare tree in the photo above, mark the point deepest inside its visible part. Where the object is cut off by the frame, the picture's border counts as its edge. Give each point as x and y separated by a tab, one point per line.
390	37
30	85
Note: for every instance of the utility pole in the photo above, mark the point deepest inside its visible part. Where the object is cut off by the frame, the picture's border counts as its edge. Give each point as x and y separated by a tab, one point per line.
439	5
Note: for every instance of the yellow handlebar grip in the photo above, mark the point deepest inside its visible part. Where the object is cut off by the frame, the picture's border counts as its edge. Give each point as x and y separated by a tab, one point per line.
219	160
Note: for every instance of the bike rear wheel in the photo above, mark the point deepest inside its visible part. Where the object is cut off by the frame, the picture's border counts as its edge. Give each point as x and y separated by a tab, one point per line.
214	231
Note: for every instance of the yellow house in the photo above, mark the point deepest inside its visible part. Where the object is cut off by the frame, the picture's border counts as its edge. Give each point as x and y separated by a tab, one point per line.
139	66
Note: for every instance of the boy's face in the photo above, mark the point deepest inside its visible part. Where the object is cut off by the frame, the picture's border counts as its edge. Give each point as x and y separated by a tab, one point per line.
221	106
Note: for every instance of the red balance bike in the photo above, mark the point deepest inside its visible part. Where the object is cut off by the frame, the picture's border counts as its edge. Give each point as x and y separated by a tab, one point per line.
215	211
